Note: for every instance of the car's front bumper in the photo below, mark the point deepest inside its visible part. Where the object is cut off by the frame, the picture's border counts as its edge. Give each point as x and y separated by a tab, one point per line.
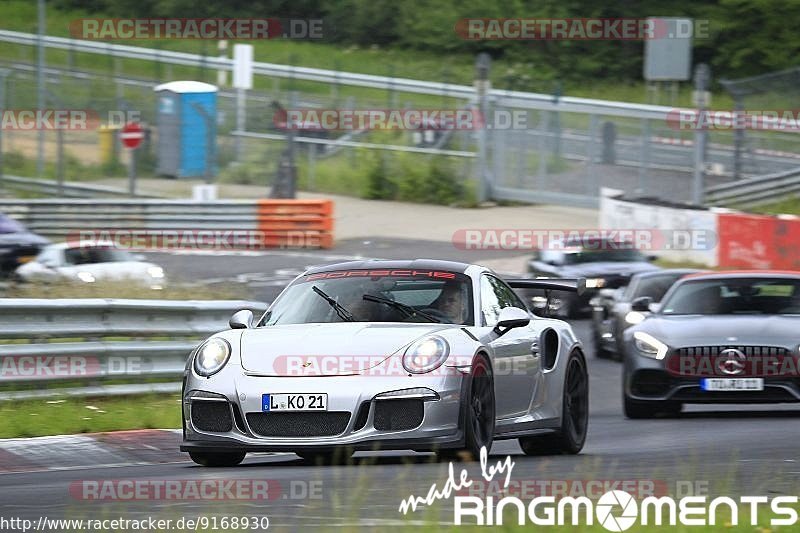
439	423
647	379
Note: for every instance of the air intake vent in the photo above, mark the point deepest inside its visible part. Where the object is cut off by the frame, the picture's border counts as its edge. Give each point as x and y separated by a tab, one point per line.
212	416
320	424
398	415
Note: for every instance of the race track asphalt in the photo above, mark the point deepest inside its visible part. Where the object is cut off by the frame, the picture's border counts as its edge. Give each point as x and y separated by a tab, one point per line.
732	450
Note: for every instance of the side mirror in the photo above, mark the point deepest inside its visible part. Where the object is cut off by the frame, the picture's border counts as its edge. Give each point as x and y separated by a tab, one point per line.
241	319
641	304
510	318
652	258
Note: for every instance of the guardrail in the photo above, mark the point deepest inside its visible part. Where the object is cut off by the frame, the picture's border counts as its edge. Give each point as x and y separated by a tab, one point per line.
510	98
273	223
755	191
89	359
69	189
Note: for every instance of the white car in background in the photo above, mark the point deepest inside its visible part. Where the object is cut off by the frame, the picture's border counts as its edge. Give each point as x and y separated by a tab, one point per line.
90	264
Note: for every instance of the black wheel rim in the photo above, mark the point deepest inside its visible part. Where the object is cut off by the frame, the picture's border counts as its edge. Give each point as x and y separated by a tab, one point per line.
576	400
482	406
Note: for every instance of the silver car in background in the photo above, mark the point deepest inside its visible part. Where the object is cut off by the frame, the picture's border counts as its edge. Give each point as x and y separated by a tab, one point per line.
423	355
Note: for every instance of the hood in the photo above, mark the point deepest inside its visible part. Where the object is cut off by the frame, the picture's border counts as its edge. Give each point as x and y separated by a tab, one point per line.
608	268
22	239
699	330
337	349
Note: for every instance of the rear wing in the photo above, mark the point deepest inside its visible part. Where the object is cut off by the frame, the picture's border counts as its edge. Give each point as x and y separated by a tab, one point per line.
577	285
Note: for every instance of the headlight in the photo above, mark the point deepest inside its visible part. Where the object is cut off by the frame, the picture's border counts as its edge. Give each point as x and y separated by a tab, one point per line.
211	356
87	277
634	317
155	272
649	345
425	355
595	283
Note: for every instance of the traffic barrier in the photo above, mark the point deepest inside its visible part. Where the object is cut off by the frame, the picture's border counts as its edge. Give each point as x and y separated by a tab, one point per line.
286	223
277	223
743	240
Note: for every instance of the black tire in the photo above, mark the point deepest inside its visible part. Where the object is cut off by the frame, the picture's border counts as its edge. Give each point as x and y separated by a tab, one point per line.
327	457
479	414
571	435
637	409
599	351
217	459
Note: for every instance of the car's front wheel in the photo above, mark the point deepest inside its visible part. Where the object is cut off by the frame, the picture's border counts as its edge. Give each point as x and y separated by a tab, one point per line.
217	459
637	409
570	437
479	413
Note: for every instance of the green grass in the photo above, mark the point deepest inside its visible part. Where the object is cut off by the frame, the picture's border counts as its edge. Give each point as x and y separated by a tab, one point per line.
789	206
119	289
35	418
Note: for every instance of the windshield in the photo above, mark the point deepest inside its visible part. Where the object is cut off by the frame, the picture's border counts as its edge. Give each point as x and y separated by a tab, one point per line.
583	255
9	225
654	287
100	254
735	296
391	296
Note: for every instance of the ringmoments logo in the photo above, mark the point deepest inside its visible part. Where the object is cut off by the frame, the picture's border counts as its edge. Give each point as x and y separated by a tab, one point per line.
615	510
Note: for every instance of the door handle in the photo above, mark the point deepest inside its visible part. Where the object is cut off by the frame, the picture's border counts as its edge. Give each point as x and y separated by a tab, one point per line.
535	348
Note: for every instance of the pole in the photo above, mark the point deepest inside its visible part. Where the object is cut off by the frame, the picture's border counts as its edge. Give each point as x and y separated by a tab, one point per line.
702	78
60	162
132	173
240	126
482	65
40	84
3	76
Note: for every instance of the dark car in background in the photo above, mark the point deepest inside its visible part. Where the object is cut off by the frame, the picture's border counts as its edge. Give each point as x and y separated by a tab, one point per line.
604	264
611	308
18	245
722	337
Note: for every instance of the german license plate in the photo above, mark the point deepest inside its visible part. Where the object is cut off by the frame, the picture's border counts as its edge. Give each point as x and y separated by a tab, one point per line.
732	384
294	402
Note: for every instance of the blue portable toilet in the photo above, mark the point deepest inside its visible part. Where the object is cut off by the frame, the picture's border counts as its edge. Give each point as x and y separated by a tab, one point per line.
187	133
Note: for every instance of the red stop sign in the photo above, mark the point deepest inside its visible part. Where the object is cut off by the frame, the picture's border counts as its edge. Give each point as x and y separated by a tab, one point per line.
131	135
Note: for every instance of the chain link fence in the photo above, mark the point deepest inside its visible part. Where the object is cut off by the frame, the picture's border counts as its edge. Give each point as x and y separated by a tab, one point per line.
557	156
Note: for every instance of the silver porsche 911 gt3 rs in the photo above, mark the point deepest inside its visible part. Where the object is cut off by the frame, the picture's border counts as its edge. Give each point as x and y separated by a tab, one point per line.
423	355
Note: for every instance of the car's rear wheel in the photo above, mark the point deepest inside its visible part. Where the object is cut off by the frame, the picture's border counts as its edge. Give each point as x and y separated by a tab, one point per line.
570	437
637	409
217	459
479	414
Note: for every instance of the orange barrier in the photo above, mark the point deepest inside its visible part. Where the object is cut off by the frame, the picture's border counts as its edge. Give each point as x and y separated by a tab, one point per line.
296	223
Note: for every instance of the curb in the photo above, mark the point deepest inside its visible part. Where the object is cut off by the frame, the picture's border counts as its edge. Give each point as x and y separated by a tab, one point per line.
117	448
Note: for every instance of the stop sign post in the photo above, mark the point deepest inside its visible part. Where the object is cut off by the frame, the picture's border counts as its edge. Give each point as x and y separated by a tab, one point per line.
132	136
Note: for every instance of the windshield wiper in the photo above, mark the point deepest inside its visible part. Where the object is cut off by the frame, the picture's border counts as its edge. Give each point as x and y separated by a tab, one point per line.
343	313
409	311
